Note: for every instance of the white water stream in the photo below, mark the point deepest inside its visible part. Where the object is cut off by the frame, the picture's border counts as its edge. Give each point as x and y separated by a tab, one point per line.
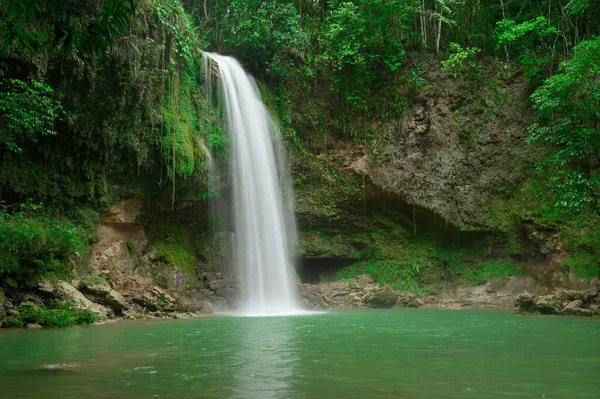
261	245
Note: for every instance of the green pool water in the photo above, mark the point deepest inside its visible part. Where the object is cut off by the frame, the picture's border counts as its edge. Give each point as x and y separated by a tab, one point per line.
358	354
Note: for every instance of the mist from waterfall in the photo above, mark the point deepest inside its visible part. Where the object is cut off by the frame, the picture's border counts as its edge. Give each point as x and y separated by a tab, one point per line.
264	228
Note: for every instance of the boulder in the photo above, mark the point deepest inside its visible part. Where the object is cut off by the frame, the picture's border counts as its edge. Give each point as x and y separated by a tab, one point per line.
116	301
526	303
187	303
408	300
548	304
67	292
384	297
45	287
576	308
561	302
100	292
155	299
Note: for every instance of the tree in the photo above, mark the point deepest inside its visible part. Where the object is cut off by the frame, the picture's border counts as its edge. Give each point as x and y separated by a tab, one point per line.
65	27
568	108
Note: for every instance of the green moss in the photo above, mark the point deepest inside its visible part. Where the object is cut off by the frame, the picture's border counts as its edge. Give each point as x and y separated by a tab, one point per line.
175	254
393	254
488	270
92	280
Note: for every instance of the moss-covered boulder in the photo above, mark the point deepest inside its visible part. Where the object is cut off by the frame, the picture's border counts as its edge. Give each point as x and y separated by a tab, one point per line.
560	302
155	299
66	292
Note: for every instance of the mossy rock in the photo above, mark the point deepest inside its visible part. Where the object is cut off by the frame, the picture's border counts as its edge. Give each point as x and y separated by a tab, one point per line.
383	297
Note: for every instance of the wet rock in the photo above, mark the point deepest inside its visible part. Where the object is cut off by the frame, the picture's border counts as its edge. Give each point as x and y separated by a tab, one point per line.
187	303
33	326
31	301
57	367
155	299
560	302
526	303
576	308
12	312
361	292
217	289
385	297
45	287
133	315
184	315
217	285
547	304
116	301
408	300
67	292
100	292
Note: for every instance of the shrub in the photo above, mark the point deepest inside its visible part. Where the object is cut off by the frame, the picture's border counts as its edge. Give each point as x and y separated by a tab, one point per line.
461	62
64	314
37	245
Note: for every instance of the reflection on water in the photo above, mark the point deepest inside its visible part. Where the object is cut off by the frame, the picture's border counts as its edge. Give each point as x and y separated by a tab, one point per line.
350	355
266	357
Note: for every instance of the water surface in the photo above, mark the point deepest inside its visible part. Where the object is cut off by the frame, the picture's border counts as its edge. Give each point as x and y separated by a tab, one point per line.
360	354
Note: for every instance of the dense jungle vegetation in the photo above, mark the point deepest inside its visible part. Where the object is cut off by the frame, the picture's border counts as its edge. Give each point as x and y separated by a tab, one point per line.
104	99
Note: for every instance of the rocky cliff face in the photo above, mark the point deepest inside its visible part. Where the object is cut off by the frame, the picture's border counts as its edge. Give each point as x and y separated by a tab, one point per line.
434	194
129	277
459	152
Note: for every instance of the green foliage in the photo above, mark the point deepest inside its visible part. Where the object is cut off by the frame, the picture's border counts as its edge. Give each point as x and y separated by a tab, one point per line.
530	41
509	33
27	110
358	39
581	236
583	265
488	270
461	62
69	28
32	245
399	275
162	304
64	314
261	34
568	124
134	115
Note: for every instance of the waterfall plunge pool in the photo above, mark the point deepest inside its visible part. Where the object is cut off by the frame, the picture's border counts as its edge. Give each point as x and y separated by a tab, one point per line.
417	354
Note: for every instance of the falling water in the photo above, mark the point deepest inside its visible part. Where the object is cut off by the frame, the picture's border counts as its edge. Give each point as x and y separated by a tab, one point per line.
261	252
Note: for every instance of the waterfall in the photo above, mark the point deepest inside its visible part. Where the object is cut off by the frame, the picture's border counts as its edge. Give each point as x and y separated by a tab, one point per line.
262	254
